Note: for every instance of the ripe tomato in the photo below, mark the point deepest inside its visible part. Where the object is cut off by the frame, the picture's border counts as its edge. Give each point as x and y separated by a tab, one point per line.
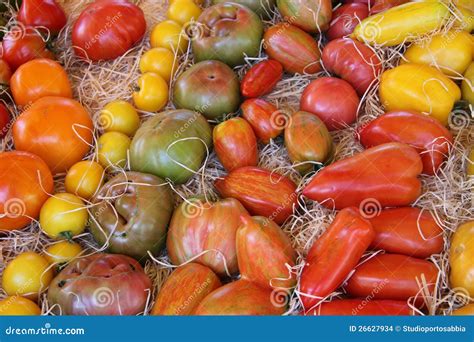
261	78
467	85
63	216
361	307
84	179
112	149
18	306
57	129
25	181
466	310
169	34
29	83
461	258
183	11
159	60
345	18
27	274
44	13
107	29
265	119
383	5
151	94
62	252
5	73
4	120
119	116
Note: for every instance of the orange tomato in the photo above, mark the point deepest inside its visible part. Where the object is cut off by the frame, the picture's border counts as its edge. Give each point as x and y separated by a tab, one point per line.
18	306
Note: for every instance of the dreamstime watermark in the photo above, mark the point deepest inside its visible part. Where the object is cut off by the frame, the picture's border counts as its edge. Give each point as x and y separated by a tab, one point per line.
47	329
103	297
370	208
192	208
194	30
197	291
288	200
369	298
280	297
109	23
459	119
14	208
280	119
181	130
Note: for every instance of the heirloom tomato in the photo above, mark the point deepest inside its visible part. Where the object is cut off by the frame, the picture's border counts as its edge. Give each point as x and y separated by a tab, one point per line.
464	19
84	178
467	85
170	35
5	74
159	60
183	11
264	118
466	310
112	149
42	14
261	78
461	259
4	120
264	8
119	116
18	306
310	15
345	18
361	307
62	252
151	92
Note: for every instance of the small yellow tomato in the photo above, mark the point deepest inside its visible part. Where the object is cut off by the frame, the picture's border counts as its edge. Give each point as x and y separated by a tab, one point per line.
112	150
119	116
18	306
466	310
461	259
470	164
151	93
84	178
197	2
169	34
27	275
183	11
160	61
467	85
63	216
62	252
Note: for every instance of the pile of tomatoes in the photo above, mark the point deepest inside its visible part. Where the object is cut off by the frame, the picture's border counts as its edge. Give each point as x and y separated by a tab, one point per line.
232	256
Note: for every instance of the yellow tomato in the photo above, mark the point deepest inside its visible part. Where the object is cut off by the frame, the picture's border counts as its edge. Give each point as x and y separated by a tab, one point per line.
467	85
28	274
464	19
63	216
112	150
18	306
183	11
197	2
160	61
451	52
467	4
470	164
169	34
119	116
62	252
461	258
151	94
466	310
84	178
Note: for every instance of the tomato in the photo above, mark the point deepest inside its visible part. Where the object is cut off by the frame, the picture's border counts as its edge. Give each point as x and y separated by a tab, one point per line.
29	83
119	116
145	203
262	192
26	275
264	9
62	252
210	87
240	297
466	310
160	61
464	19
235	144
354	62
385	175
264	253
362	307
264	118
84	179
307	139
410	231
185	288
198	226
333	100
261	78
461	259
345	18
296	50
5	73
467	85
383	5
393	276
91	286
170	35
18	306
231	33
333	256
311	16
112	149
42	13
151	92
107	29
183	11
21	45
4	120
21	198
367	2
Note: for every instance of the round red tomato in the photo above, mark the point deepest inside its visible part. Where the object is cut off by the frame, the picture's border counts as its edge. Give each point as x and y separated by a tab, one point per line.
107	29
4	120
42	13
333	100
25	181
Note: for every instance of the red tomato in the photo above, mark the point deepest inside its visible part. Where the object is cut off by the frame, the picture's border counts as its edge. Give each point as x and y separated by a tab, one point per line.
383	5
107	29
5	73
334	255
333	100
392	276
42	13
25	182
264	119
4	120
358	1
362	307
410	231
345	19
353	61
261	78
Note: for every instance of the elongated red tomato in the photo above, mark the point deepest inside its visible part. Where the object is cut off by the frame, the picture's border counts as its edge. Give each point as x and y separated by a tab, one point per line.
386	174
393	276
261	78
334	255
42	13
345	18
432	142
362	307
383	5
265	119
261	192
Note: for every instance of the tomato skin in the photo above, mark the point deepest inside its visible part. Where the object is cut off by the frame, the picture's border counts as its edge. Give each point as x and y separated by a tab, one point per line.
385	173
62	252
84	178
45	130
353	62
159	60
262	117
467	83
18	306
311	16
397	230
461	258
170	35
361	307
5	73
4	120
466	310
29	83
333	256
29	191
152	92
261	192
345	18
332	100
112	149
183	11
261	78
97	40
44	13
383	5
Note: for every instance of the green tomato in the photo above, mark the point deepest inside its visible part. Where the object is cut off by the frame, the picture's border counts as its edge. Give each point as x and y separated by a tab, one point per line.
263	8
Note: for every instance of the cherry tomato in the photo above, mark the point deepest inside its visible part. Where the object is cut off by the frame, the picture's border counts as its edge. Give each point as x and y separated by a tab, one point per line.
29	83
183	11
5	73
44	13
84	178
265	119
112	149
62	252
362	307
461	258
169	34
119	116
345	18
4	120
18	306
261	78
159	60
152	93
